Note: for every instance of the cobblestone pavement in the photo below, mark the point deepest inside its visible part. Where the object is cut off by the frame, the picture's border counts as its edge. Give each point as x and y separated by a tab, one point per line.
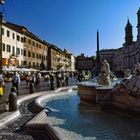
14	131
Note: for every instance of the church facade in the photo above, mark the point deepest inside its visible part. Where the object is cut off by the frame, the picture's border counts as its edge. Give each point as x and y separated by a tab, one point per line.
128	55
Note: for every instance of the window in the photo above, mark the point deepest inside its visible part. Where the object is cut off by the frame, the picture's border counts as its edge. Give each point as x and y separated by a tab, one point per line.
25	63
24	39
13	51
29	54
2	31
29	64
13	36
18	38
21	51
33	55
37	56
8	48
33	43
8	33
17	62
37	45
18	50
29	41
3	47
24	52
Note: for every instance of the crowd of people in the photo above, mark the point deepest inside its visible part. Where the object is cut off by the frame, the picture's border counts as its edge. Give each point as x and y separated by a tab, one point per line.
33	79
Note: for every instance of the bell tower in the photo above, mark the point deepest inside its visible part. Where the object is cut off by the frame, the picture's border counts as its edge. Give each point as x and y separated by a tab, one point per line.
138	26
128	34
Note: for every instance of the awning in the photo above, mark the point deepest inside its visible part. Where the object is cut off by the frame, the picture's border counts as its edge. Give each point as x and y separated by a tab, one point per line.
8	69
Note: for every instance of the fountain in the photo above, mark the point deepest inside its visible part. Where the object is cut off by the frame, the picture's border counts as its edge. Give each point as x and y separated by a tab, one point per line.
67	118
94	92
126	94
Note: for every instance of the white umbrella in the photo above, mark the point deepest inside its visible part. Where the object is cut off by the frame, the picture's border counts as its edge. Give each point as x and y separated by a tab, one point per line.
4	68
24	70
31	69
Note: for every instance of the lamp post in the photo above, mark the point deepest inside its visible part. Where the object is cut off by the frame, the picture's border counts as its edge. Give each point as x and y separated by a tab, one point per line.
1	42
1	2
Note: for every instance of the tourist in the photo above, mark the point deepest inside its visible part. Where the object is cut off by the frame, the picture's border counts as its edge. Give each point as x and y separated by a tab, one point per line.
58	79
38	78
52	81
27	78
16	81
80	77
32	80
47	79
1	85
2	80
66	79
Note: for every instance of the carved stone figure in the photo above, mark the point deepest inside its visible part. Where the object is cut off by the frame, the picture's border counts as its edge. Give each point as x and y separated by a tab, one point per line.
130	85
105	68
127	73
104	75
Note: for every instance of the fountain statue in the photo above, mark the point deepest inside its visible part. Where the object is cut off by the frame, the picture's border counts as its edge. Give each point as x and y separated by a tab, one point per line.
131	83
104	75
94	92
127	74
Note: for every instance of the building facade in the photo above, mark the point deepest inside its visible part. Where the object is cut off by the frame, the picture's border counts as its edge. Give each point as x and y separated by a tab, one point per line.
129	54
21	48
34	51
12	46
107	54
84	63
58	59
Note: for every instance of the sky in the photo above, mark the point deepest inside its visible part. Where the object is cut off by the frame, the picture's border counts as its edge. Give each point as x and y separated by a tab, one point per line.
72	24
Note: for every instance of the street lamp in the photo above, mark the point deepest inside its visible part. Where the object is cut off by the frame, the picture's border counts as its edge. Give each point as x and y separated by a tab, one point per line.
1	42
1	2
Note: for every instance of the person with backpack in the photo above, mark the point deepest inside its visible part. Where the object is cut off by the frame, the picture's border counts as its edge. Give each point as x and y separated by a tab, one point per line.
16	81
